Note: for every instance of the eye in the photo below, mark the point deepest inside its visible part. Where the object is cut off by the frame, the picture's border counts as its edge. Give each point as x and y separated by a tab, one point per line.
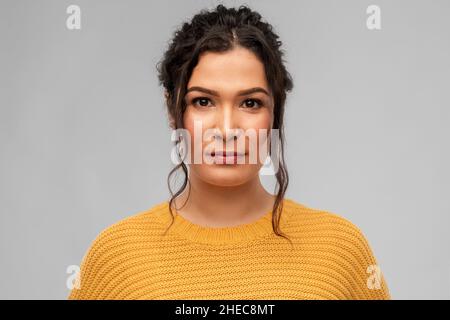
248	103
203	101
252	104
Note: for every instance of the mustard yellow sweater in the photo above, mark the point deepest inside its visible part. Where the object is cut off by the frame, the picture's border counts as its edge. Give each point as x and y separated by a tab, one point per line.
132	259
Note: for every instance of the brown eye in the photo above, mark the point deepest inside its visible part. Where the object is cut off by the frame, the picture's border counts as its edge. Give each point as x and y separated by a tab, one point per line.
203	102
253	103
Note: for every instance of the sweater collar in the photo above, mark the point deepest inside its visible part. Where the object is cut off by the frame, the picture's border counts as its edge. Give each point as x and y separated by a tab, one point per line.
262	227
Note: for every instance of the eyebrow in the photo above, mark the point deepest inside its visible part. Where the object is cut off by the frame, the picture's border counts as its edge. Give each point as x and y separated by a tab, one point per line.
240	93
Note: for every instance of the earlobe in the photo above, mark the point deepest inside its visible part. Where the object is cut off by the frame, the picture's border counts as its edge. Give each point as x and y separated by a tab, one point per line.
170	118
171	123
167	98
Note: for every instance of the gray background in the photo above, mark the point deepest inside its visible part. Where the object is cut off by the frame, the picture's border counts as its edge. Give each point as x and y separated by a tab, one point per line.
84	138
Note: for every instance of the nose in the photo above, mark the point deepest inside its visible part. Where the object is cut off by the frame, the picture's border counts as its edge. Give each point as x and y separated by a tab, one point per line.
226	122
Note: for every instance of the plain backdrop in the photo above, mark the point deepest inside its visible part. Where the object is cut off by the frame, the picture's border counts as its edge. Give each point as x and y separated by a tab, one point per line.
84	139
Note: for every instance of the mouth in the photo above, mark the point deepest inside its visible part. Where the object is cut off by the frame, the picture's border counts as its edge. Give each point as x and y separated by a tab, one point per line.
227	157
227	154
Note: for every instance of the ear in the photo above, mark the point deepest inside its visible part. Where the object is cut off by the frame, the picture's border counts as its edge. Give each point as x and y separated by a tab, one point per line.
171	122
170	118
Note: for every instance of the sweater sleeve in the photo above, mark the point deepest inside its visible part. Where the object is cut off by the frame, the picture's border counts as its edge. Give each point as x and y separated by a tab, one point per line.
91	271
370	284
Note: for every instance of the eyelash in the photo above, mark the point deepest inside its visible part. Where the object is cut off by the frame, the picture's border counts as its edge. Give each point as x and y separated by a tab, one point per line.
259	102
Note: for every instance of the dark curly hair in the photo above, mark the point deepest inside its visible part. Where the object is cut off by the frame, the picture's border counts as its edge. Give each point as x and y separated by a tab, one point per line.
221	30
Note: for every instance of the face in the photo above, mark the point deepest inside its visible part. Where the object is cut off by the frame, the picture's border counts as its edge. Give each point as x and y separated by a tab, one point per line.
228	91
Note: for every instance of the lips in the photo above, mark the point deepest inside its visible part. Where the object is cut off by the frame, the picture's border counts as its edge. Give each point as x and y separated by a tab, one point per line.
227	153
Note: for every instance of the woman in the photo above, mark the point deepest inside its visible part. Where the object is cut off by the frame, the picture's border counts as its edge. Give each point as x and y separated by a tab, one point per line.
222	235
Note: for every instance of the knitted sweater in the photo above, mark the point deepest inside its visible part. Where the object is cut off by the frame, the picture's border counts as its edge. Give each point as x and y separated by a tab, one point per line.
329	259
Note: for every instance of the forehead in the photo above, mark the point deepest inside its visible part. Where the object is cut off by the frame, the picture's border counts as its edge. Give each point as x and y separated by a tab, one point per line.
232	70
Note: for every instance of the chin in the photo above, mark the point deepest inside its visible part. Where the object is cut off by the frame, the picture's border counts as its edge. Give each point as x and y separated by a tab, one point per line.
226	176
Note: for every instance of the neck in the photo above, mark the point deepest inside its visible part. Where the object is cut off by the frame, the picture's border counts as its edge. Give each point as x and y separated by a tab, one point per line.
222	206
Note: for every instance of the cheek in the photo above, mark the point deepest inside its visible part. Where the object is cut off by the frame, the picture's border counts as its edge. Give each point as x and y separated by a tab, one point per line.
263	121
192	114
196	123
188	122
260	123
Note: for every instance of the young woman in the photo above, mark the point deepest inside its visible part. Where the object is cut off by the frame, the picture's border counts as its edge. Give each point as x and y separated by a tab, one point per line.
222	235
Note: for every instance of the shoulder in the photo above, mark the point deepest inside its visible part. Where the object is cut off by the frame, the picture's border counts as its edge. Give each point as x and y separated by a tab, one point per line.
115	246
321	227
143	221
129	229
320	222
330	237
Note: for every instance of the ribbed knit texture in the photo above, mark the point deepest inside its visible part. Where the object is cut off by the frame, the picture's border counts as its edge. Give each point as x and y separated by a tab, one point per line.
132	259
